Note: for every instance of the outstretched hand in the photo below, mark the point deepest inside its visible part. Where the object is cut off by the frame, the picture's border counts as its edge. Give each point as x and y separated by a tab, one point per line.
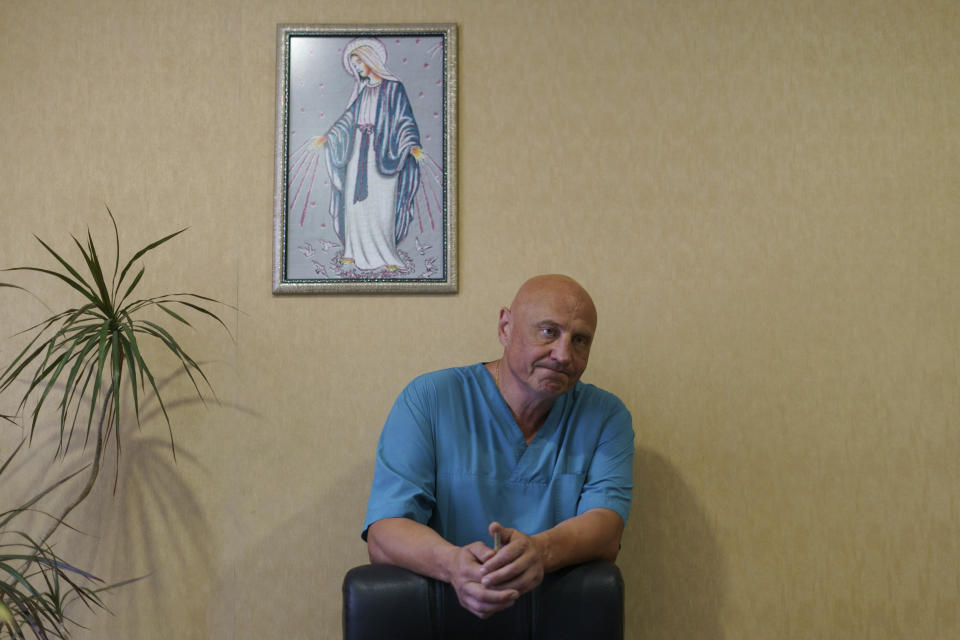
518	565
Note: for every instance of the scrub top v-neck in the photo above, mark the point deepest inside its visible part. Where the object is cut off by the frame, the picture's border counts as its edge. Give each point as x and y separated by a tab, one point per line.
452	456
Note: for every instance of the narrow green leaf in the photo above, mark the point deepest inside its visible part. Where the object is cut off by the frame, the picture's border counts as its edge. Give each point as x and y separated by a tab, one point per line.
174	315
89	295
207	312
130	289
186	362
52	378
66	265
6	462
174	296
7	377
87	309
59	564
10	377
116	371
48	369
145	372
96	270
116	257
149	247
45	370
90	367
128	342
53	563
70	388
73	336
98	376
18	577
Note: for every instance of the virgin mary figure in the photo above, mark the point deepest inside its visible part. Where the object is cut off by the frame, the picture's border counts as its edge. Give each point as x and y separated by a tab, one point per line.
372	153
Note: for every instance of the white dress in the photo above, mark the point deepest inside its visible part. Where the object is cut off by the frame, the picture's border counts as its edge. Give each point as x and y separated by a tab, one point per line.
369	233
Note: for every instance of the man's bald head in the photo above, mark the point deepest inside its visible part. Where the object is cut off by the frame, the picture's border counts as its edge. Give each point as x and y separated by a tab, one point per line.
555	287
547	332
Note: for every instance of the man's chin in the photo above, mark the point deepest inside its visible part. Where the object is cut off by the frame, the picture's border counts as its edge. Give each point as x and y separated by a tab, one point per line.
557	382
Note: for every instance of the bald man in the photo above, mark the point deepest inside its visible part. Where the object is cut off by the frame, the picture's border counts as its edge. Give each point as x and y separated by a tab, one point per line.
517	449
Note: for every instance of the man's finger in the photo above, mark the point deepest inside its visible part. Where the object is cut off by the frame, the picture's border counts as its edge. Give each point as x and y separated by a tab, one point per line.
521	582
488	596
480	551
499	576
483	602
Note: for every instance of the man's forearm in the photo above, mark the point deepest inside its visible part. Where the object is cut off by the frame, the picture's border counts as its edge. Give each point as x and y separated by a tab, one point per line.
411	545
594	535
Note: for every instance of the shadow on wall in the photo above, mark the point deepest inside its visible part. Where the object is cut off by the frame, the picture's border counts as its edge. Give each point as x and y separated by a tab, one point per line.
671	562
156	527
305	558
153	528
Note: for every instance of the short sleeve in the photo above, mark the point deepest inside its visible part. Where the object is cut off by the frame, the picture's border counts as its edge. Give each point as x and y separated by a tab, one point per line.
404	479
609	481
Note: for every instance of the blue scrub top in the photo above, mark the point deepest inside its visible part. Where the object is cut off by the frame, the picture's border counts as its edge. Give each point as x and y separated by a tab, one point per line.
451	456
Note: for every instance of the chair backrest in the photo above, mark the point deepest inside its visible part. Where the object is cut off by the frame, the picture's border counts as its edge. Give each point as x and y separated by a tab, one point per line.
382	601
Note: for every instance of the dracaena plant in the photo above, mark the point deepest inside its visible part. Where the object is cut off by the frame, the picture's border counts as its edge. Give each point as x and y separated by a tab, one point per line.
36	584
81	363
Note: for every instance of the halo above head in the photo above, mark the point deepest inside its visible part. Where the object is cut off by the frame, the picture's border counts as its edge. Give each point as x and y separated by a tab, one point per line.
373	43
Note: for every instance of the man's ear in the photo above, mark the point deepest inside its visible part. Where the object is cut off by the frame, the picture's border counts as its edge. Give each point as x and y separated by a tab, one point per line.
504	326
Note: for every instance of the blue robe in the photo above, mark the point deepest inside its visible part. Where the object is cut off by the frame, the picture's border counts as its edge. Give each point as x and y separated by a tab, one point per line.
395	134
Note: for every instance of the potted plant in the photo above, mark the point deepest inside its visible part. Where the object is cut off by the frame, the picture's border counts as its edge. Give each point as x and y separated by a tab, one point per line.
80	365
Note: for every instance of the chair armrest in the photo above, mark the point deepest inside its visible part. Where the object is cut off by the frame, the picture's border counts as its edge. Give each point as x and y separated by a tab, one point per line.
383	601
582	601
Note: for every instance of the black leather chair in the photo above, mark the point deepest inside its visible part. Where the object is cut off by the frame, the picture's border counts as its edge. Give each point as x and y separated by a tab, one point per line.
381	602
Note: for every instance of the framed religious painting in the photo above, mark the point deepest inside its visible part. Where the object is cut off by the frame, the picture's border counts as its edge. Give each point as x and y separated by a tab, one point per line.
366	193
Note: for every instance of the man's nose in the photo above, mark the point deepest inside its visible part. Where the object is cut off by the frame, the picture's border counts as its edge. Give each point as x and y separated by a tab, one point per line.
562	350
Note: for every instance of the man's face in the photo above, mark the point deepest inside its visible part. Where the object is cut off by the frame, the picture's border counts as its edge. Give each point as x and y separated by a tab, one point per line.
547	337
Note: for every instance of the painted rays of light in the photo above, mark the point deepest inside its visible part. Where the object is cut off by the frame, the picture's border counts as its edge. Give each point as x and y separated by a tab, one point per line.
308	171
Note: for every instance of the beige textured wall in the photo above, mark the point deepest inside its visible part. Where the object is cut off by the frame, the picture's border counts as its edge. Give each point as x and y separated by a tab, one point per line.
761	195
